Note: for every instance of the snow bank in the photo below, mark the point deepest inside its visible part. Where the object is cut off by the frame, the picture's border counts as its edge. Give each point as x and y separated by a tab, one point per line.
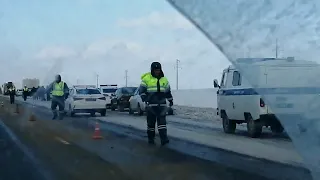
203	98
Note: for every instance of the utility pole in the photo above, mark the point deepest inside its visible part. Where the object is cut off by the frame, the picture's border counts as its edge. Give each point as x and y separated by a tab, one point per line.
97	76
177	71
126	77
277	47
77	81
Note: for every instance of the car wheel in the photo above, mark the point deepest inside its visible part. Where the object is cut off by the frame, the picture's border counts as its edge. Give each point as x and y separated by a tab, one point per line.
130	110
112	107
140	112
103	112
277	128
71	113
229	126
120	108
254	128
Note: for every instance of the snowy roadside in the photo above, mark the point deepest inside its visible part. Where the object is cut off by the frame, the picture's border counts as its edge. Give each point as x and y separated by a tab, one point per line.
196	113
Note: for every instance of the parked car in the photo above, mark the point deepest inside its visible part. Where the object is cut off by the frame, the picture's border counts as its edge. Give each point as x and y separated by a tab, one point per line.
136	104
121	98
19	92
85	99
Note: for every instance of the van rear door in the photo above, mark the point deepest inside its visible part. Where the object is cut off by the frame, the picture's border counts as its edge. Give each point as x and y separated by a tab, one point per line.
290	89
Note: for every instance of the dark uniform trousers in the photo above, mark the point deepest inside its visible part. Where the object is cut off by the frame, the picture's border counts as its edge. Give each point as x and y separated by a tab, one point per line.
157	114
57	101
11	97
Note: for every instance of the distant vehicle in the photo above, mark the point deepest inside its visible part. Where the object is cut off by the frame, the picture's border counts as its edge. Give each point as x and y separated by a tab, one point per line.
85	99
121	99
285	83
136	104
6	87
19	92
109	92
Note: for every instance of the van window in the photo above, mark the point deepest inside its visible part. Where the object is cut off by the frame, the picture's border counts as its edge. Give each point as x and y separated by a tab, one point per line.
222	83
236	80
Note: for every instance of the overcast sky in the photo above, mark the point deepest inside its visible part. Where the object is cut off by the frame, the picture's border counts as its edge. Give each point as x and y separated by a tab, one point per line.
82	38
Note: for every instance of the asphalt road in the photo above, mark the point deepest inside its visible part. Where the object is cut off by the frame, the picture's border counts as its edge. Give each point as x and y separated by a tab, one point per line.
65	150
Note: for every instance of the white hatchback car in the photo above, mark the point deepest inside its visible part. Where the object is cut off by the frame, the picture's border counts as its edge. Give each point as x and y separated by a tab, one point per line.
85	99
136	104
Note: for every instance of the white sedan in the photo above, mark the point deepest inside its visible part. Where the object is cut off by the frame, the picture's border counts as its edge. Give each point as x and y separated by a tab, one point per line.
85	100
136	104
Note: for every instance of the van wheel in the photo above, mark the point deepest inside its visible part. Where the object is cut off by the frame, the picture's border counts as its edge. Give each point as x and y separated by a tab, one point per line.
277	128
229	126
254	128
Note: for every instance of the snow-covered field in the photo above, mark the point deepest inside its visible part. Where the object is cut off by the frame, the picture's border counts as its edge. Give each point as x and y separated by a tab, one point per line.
195	103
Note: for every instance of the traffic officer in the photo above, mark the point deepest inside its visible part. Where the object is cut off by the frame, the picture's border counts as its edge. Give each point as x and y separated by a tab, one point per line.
60	92
25	93
154	90
12	94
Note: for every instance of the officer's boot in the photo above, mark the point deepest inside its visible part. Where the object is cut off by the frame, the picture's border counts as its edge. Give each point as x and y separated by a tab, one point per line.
61	115
151	134
163	136
55	114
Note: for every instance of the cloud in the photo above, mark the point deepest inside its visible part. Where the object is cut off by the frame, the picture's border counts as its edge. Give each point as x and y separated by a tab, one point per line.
156	19
200	61
55	52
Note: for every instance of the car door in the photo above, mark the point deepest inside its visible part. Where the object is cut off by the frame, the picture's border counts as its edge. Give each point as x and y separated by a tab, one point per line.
133	100
221	99
69	99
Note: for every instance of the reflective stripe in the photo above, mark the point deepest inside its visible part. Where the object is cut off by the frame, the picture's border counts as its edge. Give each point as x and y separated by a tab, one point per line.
169	99
58	89
143	84
157	104
162	127
151	129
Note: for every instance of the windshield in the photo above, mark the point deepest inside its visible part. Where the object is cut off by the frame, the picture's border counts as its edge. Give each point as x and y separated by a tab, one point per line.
88	91
239	80
113	90
128	90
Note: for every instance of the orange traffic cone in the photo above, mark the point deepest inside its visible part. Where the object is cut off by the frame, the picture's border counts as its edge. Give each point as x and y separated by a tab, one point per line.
97	134
32	117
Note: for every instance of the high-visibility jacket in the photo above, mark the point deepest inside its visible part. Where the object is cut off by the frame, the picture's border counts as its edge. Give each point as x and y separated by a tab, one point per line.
12	90
25	89
58	89
153	90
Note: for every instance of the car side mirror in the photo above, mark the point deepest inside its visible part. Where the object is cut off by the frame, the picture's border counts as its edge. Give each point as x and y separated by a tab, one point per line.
216	84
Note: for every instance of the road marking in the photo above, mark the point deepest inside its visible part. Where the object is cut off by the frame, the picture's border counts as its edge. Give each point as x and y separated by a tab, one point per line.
62	141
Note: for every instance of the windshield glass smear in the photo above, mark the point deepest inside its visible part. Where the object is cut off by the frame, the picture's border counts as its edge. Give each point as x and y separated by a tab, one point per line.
249	28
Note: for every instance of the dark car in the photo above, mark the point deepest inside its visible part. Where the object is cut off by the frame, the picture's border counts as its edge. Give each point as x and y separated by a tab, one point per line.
121	98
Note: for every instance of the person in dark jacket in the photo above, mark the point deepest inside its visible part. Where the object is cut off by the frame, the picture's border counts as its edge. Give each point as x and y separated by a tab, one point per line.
12	94
154	90
25	93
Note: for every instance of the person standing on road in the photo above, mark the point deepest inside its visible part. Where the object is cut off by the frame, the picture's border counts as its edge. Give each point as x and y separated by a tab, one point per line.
60	93
12	94
154	90
25	93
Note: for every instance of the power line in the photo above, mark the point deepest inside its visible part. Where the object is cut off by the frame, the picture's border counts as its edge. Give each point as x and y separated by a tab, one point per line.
126	77
177	71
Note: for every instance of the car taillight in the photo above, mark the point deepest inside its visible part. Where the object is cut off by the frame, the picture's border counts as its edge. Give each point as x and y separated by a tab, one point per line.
102	98
77	99
262	104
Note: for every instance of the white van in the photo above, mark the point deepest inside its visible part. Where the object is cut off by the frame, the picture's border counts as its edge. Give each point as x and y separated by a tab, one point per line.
264	87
